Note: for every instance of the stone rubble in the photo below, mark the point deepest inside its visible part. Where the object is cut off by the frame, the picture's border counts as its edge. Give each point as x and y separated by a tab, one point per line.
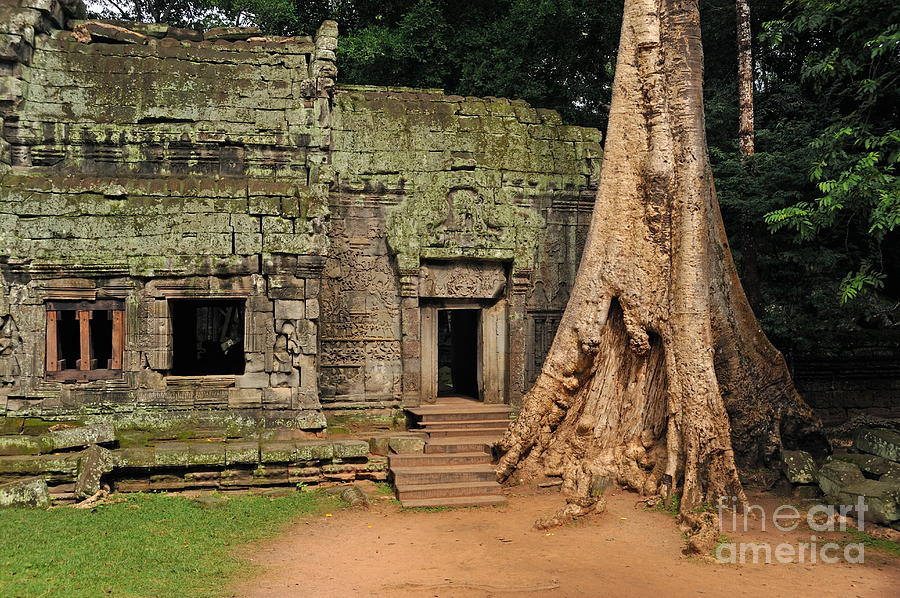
870	472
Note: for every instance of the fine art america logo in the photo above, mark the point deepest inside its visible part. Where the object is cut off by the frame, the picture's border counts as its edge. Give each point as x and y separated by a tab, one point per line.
787	518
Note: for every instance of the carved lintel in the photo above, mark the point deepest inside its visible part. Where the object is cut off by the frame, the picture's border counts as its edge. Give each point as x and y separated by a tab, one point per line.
465	280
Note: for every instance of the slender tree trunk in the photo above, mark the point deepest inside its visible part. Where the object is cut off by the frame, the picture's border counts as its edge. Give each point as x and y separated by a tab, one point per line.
746	134
745	78
659	377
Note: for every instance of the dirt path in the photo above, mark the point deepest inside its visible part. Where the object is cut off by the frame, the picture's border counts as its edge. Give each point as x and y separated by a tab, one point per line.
482	552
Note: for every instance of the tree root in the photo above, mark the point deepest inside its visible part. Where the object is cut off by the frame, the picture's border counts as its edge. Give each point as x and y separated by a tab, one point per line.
702	530
92	501
573	509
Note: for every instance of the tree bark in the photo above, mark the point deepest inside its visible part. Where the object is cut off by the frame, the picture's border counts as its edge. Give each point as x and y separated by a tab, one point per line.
659	377
745	78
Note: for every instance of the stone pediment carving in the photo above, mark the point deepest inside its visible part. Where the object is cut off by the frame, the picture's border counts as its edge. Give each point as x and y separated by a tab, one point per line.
458	222
465	280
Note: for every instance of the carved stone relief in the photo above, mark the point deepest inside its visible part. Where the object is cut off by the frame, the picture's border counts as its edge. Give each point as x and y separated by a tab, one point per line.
462	280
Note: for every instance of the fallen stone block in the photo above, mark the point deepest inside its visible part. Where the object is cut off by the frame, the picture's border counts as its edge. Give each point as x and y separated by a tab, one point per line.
231	33
58	440
807	491
19	445
878	441
798	467
109	32
95	461
63	466
406	445
868	463
882	499
32	492
837	474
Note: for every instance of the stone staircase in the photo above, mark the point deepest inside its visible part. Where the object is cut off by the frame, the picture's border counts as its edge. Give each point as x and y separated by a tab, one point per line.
456	468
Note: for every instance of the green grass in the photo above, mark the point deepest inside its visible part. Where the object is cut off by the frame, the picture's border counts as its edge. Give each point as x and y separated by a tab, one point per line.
888	546
149	545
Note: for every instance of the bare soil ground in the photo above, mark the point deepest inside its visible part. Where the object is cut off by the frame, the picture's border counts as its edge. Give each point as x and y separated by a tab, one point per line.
494	551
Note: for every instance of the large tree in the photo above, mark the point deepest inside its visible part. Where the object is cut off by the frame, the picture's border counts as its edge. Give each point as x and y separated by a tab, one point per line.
659	377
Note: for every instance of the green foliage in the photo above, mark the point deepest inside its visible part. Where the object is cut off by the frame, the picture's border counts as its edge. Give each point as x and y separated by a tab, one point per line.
888	546
849	52
670	505
150	545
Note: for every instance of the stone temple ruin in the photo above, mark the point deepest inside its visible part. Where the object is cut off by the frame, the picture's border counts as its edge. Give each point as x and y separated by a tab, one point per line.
210	224
205	230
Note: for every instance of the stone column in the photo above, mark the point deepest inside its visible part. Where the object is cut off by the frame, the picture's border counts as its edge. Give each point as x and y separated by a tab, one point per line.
410	341
521	282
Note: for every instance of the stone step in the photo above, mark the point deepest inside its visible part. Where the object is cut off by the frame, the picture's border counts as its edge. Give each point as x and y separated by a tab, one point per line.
447	415
457	501
443	474
458	445
494	433
417	491
472	458
465	424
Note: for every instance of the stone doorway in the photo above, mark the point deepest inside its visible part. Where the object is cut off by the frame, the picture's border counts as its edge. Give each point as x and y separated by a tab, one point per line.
464	349
457	339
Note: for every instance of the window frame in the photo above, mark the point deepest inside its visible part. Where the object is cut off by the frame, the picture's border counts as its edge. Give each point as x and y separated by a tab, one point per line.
84	313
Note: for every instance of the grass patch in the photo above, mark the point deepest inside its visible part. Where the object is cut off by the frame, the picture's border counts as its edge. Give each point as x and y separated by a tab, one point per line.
670	505
888	546
384	488
149	545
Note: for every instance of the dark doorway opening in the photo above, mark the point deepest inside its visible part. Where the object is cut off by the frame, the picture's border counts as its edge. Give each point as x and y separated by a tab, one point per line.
207	337
458	352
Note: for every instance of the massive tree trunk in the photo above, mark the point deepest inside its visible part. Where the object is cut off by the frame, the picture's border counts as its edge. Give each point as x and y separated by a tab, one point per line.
659	377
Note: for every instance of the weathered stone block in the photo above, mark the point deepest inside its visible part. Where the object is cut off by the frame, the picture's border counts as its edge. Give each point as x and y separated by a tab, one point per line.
799	467
312	309
807	491
231	33
879	441
95	461
379	445
19	445
285	379
136	458
882	499
344	449
241	453
406	444
314	450
25	493
75	437
183	454
106	31
837	474
278	398
252	380
868	463
290	310
278	451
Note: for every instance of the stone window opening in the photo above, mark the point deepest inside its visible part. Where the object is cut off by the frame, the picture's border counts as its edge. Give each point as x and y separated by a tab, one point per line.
458	352
85	340
207	337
